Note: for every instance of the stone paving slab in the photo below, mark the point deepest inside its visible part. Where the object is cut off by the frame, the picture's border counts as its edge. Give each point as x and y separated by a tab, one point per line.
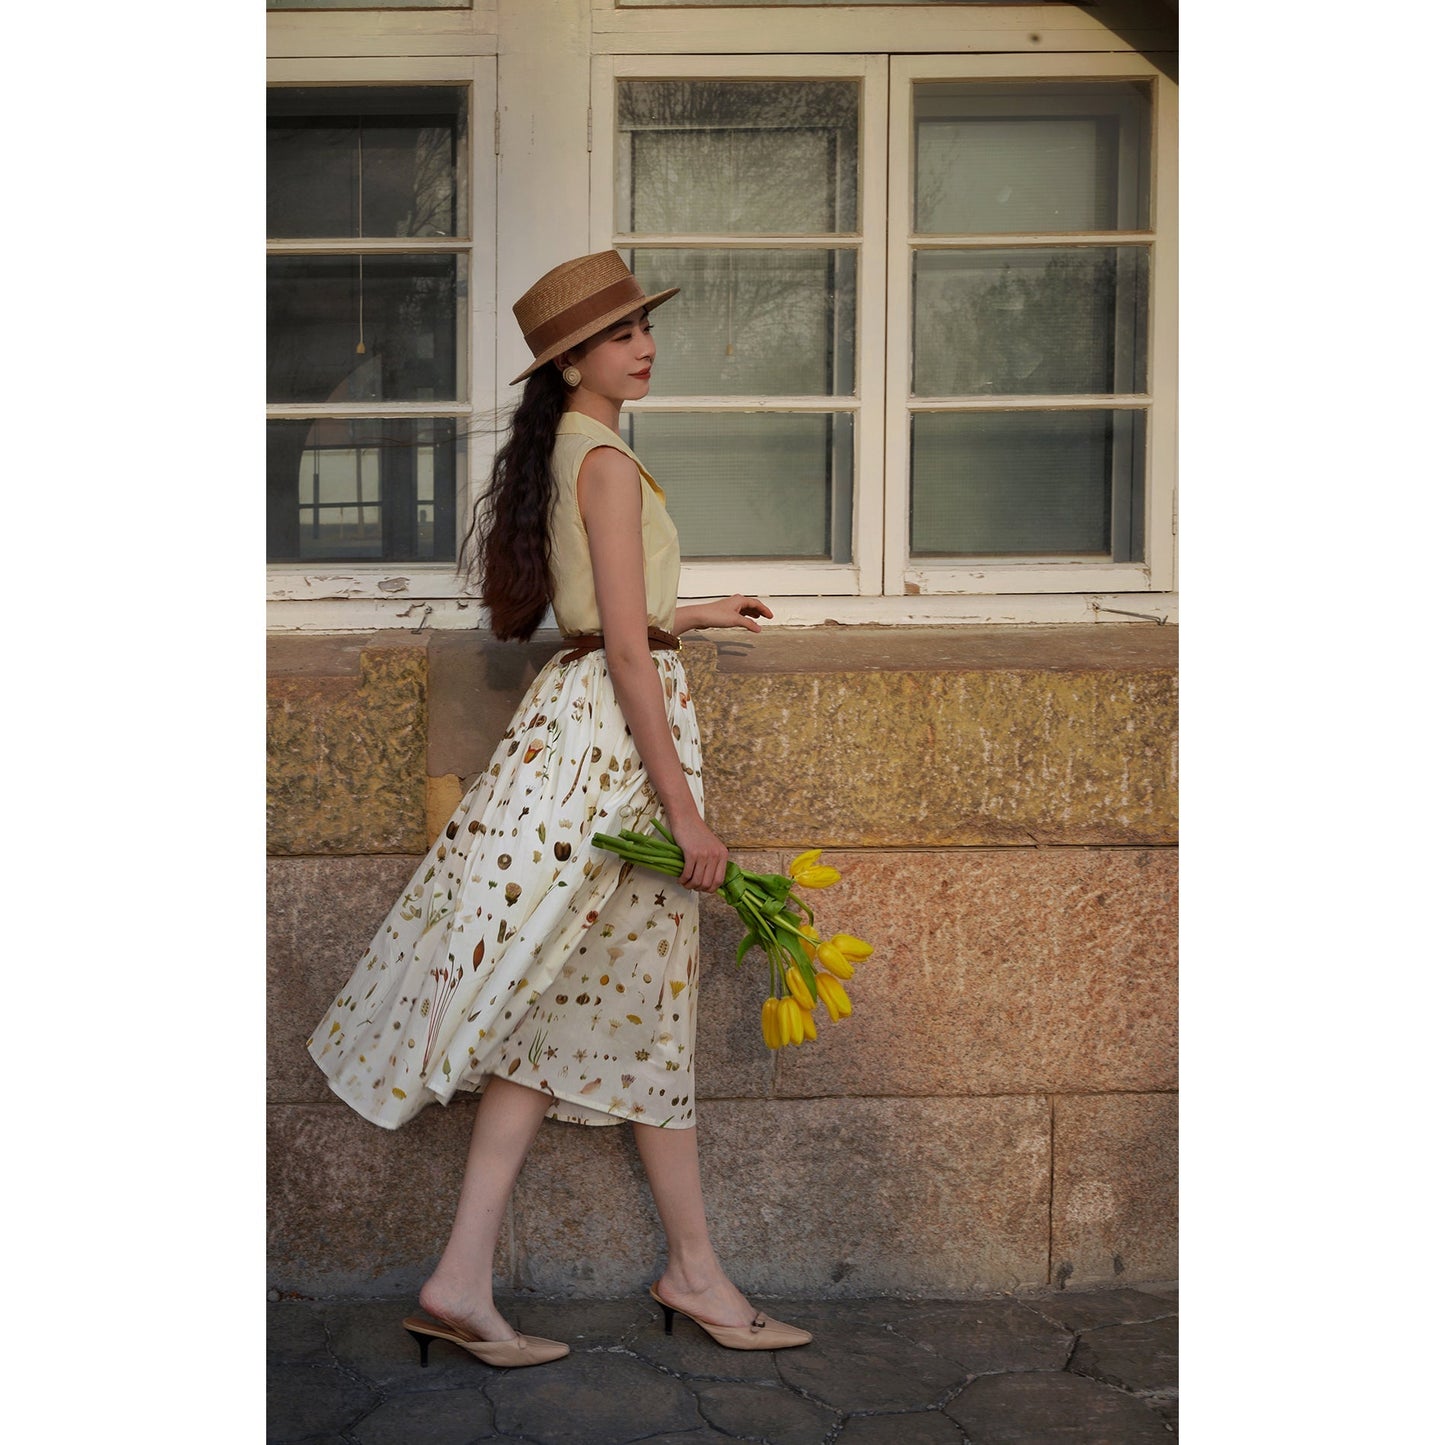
303	1401
988	1335
1032	1369
1053	1409
592	1397
438	1417
1077	1312
1142	1356
916	1427
788	1418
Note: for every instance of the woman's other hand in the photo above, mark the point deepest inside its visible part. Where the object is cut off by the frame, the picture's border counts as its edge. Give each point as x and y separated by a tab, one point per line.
734	611
704	855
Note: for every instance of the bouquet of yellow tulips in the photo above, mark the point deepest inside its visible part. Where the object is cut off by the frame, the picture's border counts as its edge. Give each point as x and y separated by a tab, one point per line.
802	967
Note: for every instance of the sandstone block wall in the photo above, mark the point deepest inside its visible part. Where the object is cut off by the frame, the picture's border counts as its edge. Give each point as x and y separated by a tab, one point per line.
999	1112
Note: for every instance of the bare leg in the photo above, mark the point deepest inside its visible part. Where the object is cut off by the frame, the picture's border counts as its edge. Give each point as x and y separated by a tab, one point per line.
460	1289
693	1280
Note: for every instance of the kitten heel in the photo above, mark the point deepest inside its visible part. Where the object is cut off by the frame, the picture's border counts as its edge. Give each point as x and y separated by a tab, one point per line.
762	1333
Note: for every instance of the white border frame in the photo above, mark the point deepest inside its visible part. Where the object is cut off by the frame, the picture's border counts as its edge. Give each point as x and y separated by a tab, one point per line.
384	34
863	577
919	29
904	576
407	591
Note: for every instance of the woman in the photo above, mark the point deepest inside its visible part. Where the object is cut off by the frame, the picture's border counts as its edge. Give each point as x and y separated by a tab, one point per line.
520	958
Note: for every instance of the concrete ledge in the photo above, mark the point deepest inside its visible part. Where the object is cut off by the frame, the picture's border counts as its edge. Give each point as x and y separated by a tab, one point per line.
949	649
850	737
975	737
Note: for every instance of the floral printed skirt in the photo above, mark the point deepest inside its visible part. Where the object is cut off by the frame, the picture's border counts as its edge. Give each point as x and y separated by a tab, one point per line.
520	950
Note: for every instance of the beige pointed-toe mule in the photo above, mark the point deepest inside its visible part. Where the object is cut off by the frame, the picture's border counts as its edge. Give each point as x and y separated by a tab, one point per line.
504	1354
762	1333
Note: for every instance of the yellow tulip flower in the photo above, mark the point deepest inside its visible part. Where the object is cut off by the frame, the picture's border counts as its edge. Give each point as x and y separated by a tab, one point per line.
806	968
804	860
772	1036
819	875
831	957
798	987
834	996
790	1020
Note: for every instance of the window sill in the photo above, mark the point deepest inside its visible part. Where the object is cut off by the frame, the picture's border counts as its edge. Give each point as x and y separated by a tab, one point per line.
309	600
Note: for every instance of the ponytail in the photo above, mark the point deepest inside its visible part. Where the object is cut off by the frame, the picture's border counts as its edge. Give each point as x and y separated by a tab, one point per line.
508	546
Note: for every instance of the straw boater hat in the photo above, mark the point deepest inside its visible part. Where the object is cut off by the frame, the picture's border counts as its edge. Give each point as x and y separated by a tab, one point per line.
576	300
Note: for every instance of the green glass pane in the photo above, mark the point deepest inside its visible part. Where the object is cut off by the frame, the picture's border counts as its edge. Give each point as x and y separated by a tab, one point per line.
1030	322
763	323
1045	483
753	484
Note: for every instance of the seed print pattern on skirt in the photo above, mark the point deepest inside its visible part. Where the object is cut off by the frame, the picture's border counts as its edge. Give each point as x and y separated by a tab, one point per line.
518	949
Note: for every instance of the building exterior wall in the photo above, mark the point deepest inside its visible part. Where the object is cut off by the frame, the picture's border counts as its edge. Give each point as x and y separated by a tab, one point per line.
999	1112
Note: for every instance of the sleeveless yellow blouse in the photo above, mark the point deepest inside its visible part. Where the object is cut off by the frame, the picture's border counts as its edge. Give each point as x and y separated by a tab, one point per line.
574	594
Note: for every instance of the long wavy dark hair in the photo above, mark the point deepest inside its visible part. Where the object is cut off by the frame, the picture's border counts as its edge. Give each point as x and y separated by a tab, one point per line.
507	552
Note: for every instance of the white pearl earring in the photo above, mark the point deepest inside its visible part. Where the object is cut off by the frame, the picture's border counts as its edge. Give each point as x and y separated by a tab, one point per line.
572	377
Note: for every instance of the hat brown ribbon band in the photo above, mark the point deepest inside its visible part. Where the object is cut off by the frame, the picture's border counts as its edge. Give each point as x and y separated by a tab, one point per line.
565	322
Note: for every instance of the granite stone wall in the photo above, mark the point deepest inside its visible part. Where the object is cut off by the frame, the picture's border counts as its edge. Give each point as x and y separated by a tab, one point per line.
1000	1110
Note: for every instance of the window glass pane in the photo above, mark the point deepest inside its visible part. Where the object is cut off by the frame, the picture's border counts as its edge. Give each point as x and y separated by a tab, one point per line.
1030	322
373	490
752	484
1031	157
379	161
759	322
737	157
1066	483
362	328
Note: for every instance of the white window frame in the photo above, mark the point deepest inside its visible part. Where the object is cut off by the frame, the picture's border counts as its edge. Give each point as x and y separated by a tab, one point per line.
320	594
1006	28
863	575
919	577
882	402
385	34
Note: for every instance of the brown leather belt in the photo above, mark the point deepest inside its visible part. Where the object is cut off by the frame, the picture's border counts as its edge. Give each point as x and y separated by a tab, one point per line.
585	642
